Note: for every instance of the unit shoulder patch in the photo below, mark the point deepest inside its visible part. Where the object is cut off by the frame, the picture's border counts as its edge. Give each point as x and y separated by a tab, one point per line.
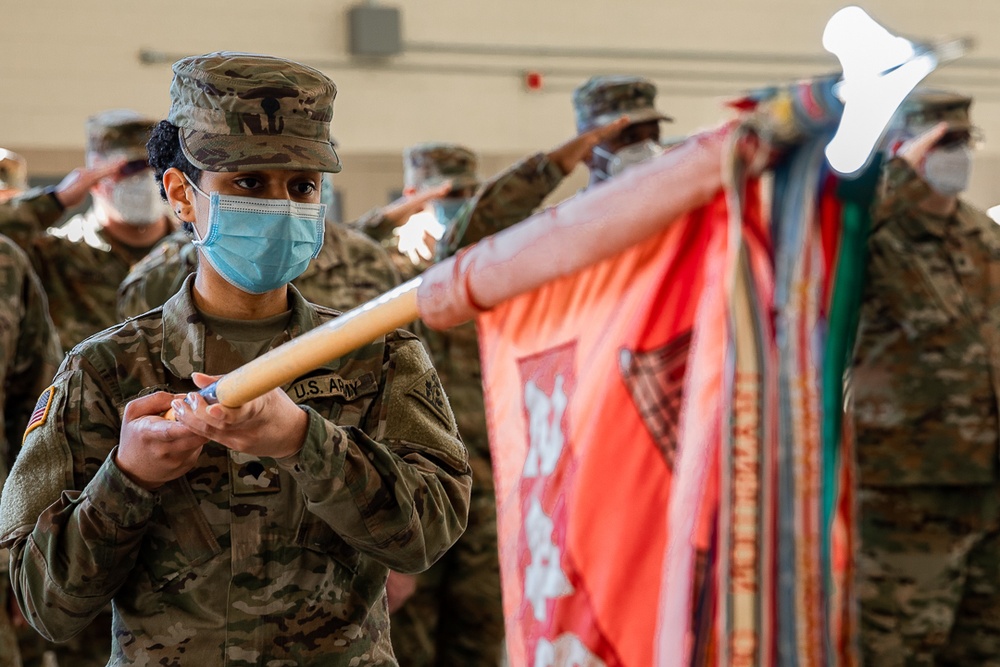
428	390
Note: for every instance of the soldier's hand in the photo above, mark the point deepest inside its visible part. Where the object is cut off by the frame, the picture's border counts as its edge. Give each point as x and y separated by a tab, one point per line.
270	425
577	149
398	589
73	188
915	150
153	450
400	210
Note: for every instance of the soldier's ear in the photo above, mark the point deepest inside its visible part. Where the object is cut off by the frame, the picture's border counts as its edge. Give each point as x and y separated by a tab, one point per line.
179	193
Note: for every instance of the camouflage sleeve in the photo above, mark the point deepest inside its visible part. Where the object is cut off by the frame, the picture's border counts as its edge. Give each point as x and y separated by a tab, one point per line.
375	225
26	217
504	200
72	540
37	352
157	276
901	190
29	355
399	489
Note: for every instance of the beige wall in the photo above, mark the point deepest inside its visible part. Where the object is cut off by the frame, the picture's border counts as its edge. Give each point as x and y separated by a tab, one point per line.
70	59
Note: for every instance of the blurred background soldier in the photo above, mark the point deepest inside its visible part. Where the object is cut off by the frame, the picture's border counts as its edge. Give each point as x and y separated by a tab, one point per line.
451	614
82	263
617	126
604	99
29	355
925	387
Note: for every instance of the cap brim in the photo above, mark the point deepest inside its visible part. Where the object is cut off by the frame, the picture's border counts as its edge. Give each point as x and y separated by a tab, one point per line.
247	152
634	116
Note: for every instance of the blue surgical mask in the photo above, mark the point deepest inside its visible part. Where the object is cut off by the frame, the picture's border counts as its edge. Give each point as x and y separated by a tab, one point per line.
447	209
260	244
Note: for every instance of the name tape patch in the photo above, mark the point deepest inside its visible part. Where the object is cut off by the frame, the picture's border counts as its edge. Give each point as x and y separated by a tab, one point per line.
333	385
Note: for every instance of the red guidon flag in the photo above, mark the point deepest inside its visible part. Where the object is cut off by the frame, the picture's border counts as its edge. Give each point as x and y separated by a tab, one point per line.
585	393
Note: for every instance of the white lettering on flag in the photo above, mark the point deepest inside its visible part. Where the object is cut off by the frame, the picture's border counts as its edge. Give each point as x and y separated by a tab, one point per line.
544	428
544	578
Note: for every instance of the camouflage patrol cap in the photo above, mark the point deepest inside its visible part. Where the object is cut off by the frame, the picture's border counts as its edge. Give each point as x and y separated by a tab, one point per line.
243	111
430	164
121	132
13	171
603	99
926	107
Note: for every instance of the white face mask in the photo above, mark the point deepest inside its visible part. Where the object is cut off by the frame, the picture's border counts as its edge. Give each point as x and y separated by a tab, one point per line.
137	199
628	156
947	170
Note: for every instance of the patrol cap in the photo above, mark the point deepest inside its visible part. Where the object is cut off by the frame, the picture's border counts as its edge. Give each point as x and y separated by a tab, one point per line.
926	107
603	99
243	111
121	132
13	171
429	164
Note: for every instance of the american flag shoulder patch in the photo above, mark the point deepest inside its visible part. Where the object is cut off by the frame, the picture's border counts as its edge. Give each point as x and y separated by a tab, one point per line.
41	411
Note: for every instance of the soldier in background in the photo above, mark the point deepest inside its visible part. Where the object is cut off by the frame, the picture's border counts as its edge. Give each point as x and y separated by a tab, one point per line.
452	614
925	388
82	263
13	175
618	125
29	355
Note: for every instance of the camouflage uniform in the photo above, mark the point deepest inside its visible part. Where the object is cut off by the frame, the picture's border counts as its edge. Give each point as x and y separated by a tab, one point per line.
455	616
243	560
349	270
79	264
29	354
925	388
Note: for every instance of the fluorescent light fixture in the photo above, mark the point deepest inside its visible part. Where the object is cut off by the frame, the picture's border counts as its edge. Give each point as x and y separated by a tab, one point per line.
879	71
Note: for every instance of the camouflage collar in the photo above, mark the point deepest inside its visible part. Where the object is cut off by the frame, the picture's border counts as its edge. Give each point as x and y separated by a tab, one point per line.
183	350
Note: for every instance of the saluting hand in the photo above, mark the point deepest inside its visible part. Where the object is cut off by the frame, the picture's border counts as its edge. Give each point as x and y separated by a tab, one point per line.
577	149
270	425
152	450
915	150
73	188
400	210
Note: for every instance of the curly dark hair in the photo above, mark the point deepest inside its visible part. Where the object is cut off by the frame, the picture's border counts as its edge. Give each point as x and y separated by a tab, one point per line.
164	148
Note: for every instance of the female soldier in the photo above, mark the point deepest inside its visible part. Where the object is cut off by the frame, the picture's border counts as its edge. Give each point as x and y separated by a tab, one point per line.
240	536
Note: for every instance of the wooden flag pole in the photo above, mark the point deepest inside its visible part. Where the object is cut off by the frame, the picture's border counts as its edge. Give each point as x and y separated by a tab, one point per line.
323	344
591	227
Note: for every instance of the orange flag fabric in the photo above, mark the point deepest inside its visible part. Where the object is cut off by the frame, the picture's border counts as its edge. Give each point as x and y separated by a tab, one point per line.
585	385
